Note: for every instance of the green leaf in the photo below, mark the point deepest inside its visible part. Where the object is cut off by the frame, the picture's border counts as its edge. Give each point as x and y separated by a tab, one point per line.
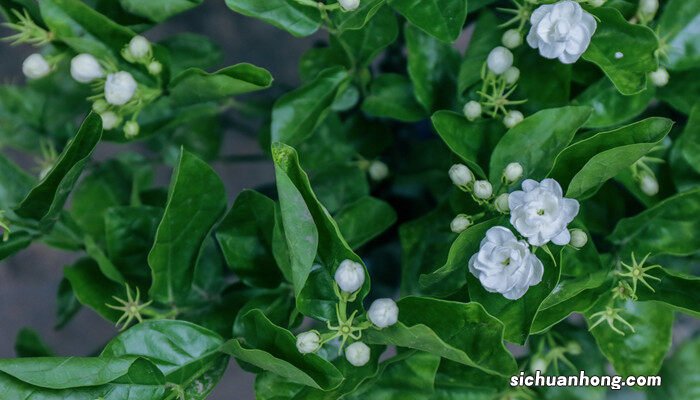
679	27
365	44
679	290
470	336
483	40
298	113
190	214
680	374
391	96
537	140
46	200
584	166
92	288
658	230
339	186
641	352
365	219
402	377
611	108
358	18
29	344
689	141
18	241
297	19
14	183
197	86
272	348
442	19
544	83
67	305
432	67
625	52
103	262
245	237
158	10
192	50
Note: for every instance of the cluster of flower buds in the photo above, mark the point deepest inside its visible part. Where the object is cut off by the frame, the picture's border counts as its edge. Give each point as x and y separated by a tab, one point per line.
349	278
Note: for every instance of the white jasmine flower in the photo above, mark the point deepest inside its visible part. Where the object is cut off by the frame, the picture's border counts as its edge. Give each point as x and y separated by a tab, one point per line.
648	7
155	68
350	276
378	171
472	110
139	47
659	77
131	129
562	30
349	5
308	342
120	87
460	223
511	38
541	213
505	264
513	172
110	120
511	75
460	175
579	238
649	185
357	354
383	313
85	68
499	60
501	203
483	189
513	118
35	66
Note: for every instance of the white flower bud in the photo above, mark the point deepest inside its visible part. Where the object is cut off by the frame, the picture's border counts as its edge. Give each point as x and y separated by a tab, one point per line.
110	120
513	172
308	342
460	175
131	129
596	3
472	110
378	171
501	203
155	68
383	313
139	47
357	354
648	7
579	238
511	75
350	276
659	77
511	38
483	189
538	364
119	88
349	5
460	223
649	185
513	118
35	66
573	348
499	60
100	106
85	68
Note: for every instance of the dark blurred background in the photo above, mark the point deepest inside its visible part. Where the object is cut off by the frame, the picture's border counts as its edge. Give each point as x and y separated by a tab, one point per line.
29	280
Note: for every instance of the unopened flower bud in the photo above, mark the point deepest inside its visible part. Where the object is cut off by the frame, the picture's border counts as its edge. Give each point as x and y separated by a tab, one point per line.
596	3
460	223
461	175
139	47
100	106
110	120
120	87
155	68
648	7
308	342
573	348
579	238
659	77
511	75
538	364
649	185
483	189
85	68
472	110
349	5
513	172
383	313
350	276
378	171
35	66
512	38
357	354
499	60
513	118
501	203
131	129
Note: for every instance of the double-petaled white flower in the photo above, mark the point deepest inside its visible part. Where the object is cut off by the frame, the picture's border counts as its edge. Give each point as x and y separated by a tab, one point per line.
120	87
308	342
357	354
350	276
505	264
35	66
383	313
85	68
540	212
562	30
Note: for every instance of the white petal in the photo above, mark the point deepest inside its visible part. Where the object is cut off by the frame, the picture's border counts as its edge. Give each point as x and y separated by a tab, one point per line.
529	184
563	238
552	185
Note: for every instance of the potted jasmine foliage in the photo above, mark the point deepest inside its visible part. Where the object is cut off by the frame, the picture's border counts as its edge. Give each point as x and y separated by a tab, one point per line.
517	220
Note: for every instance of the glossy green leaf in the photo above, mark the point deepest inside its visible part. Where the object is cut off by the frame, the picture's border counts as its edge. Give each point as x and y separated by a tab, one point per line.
338	186
442	19
357	18
274	349
680	374
67	305
689	141
298	113
365	219
189	216
14	183
676	289
18	241
29	344
158	10
297	19
682	91
192	50
391	96
679	26
483	40
366	43
537	140
624	51
544	83
402	377
93	289
611	108
196	86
